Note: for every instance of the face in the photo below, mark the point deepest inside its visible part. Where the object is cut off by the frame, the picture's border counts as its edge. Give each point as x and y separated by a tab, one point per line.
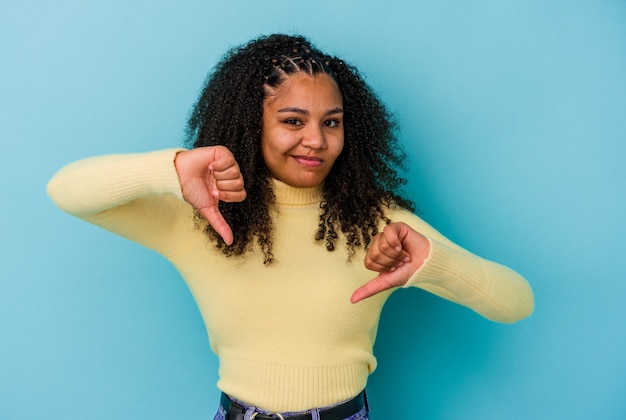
302	132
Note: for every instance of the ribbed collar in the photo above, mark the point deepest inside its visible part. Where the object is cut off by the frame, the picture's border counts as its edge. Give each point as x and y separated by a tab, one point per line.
286	195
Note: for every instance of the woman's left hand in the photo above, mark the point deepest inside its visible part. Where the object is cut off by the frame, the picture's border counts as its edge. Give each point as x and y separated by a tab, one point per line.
396	253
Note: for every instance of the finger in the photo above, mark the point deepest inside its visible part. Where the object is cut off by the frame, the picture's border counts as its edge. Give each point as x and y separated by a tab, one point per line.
217	221
230	173
212	213
231	190
223	160
381	260
381	263
384	267
391	243
391	234
380	283
375	259
231	197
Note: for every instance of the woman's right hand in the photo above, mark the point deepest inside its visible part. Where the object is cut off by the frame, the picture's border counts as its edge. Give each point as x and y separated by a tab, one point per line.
208	175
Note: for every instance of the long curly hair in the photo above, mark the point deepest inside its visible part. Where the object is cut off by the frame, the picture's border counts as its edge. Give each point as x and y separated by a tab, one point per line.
363	180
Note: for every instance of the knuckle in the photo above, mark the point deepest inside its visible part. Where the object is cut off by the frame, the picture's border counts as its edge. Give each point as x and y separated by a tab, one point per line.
385	247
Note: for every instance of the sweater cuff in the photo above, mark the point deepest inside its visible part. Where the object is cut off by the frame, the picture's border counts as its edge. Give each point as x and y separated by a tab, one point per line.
449	273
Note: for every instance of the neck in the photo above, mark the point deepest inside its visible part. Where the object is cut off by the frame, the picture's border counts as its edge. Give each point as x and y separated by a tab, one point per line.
288	195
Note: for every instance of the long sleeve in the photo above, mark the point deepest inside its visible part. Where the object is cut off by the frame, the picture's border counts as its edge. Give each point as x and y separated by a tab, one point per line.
136	196
494	291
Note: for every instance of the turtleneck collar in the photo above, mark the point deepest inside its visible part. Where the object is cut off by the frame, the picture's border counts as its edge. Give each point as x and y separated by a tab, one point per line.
286	195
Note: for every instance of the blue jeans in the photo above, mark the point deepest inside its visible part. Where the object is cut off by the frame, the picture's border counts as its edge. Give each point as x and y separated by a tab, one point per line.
362	414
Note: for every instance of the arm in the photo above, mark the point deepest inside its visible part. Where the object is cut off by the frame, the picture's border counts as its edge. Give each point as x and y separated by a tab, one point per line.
404	257
139	196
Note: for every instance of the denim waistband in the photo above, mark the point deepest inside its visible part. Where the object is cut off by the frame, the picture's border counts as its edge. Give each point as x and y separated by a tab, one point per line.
354	409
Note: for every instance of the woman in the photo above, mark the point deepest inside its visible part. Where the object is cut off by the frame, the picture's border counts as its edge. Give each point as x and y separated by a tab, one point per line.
286	219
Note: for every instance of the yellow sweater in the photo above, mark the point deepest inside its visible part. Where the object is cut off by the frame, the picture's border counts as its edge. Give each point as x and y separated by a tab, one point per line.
287	336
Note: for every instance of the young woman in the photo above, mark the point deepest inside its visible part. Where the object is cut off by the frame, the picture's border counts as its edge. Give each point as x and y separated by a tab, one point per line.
286	219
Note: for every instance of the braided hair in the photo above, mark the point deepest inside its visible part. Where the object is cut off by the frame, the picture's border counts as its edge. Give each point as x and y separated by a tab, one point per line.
363	180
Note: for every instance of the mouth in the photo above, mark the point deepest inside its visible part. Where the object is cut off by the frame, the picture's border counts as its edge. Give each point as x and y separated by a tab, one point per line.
309	161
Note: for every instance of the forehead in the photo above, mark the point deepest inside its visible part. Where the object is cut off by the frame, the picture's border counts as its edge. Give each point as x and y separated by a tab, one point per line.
305	89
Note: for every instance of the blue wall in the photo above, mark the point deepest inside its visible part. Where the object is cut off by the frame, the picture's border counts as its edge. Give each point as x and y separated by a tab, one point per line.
514	116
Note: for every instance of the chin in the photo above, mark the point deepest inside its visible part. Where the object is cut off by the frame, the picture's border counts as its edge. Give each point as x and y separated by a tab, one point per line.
304	181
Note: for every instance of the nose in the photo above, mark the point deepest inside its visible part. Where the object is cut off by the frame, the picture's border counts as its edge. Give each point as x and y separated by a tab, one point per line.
314	137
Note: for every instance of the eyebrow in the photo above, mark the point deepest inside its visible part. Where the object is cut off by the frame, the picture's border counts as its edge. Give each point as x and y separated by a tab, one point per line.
305	112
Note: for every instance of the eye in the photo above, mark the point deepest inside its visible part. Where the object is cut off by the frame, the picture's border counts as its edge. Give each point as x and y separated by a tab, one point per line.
332	123
293	121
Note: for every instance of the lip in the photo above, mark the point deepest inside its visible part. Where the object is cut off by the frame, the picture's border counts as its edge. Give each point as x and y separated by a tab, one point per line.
310	161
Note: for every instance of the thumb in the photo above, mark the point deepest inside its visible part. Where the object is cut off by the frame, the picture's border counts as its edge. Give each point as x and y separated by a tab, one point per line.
216	220
378	284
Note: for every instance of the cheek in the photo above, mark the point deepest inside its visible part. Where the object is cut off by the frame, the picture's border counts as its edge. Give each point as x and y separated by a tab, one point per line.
274	146
339	146
275	139
264	147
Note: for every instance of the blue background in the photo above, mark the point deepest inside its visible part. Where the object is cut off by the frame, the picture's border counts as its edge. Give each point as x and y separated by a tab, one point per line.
513	113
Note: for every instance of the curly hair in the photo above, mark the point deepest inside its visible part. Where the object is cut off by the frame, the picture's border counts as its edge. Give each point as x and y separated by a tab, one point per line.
363	180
